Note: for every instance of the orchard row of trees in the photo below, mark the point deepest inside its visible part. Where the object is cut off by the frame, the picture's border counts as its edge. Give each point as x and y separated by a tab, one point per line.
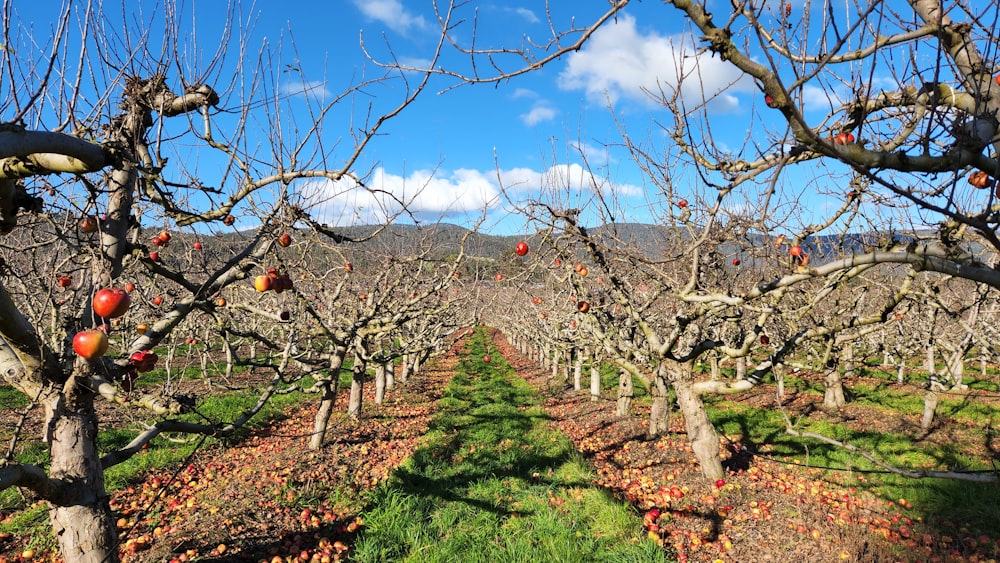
101	187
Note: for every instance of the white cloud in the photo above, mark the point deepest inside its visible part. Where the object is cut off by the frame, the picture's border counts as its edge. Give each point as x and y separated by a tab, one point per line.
392	13
423	193
620	61
524	93
431	195
310	88
539	113
563	177
527	14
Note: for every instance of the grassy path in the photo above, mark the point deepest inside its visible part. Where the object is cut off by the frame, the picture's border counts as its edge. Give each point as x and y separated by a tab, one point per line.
492	483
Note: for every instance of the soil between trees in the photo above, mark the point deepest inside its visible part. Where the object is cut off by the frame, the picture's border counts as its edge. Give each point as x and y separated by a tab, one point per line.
268	497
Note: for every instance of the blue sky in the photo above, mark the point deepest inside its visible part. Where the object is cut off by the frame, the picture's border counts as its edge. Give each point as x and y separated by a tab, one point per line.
448	154
530	131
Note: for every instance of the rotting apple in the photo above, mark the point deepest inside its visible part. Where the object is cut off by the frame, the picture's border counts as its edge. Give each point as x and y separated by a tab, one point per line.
88	224
285	240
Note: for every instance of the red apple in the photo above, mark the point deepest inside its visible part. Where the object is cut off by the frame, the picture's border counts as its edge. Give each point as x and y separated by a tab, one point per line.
285	240
348	267
521	249
154	256
143	361
90	344
486	359
769	101
499	277
795	251
682	203
362	296
88	224
111	302
65	281
197	245
158	300
843	138
262	283
583	272
764	340
129	287
736	262
228	220
558	262
220	302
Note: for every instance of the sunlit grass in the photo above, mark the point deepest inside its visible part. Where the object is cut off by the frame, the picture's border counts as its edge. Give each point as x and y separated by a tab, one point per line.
493	483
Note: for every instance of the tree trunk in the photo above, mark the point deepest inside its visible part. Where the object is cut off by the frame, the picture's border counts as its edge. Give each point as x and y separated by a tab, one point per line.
741	368
847	359
578	371
779	380
82	520
595	380
704	440
659	413
357	387
625	393
713	362
930	405
390	375
327	400
957	371
555	363
404	372
833	397
379	383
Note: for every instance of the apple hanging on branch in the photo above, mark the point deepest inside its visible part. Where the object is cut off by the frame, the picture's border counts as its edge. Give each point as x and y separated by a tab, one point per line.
521	249
111	302
144	360
91	343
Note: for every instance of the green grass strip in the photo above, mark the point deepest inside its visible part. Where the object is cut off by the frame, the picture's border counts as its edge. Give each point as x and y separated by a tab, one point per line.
493	484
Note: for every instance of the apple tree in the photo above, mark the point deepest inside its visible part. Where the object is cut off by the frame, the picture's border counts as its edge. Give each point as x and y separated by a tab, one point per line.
128	159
